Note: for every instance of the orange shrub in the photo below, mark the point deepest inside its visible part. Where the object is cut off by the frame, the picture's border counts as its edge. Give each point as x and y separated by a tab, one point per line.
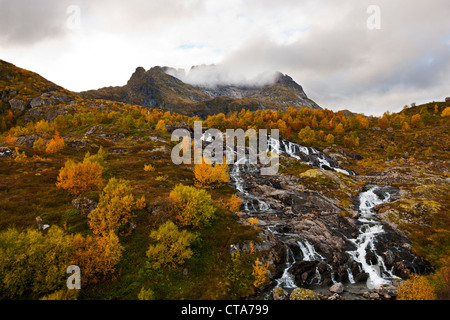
77	178
55	144
207	175
446	112
97	256
416	288
234	203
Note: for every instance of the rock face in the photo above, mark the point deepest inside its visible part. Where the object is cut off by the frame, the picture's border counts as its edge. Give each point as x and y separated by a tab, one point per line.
162	87
18	106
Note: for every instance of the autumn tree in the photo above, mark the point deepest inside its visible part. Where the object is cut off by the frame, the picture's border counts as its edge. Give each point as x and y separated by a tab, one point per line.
161	126
260	273
33	263
115	208
234	204
171	247
307	135
77	178
446	112
330	139
192	206
96	255
416	288
99	157
55	144
208	175
416	120
339	129
405	126
39	144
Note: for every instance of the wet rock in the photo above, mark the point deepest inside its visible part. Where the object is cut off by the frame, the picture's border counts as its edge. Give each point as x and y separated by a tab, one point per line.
402	269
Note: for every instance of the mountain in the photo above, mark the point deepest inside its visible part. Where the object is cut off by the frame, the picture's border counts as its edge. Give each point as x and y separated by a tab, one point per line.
22	89
158	88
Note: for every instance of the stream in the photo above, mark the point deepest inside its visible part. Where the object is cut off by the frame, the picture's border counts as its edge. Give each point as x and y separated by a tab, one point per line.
323	249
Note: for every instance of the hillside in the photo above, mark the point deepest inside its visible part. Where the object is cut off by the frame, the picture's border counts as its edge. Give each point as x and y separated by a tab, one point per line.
92	181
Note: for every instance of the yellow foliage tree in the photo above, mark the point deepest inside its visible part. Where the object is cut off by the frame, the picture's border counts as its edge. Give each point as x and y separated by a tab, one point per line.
207	175
415	120
416	288
339	129
171	247
161	126
405	126
260	273
38	144
97	256
32	263
330	139
234	203
307	135
114	208
192	206
446	112
77	178
55	144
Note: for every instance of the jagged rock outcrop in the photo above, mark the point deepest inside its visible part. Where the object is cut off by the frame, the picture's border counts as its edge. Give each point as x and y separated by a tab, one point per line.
159	88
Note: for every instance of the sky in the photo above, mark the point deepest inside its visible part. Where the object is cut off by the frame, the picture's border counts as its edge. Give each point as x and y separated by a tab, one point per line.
365	56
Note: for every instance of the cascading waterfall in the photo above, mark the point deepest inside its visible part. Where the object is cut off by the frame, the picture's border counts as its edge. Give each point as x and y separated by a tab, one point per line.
287	280
293	150
370	228
365	241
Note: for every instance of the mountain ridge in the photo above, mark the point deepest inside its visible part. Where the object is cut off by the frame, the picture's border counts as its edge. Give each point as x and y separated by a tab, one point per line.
157	88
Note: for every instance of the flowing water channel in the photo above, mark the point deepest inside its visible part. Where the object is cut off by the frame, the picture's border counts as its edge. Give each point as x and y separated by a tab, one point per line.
369	226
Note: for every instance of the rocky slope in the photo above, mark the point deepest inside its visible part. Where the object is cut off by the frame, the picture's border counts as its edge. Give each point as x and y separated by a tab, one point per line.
157	88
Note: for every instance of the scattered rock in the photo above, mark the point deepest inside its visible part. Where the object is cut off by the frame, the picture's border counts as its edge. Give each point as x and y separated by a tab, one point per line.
118	150
334	297
84	205
79	144
6	153
338	287
280	294
27	141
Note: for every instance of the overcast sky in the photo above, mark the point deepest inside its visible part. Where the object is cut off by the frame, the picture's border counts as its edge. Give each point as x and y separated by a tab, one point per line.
324	45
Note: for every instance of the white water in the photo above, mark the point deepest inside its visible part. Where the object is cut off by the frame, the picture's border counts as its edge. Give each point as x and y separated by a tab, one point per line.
287	279
371	227
291	149
308	251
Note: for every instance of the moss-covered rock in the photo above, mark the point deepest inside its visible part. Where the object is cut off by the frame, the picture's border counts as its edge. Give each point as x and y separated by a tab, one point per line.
303	294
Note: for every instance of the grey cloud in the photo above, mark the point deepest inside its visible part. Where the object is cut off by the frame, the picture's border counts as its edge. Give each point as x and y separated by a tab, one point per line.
25	22
347	65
